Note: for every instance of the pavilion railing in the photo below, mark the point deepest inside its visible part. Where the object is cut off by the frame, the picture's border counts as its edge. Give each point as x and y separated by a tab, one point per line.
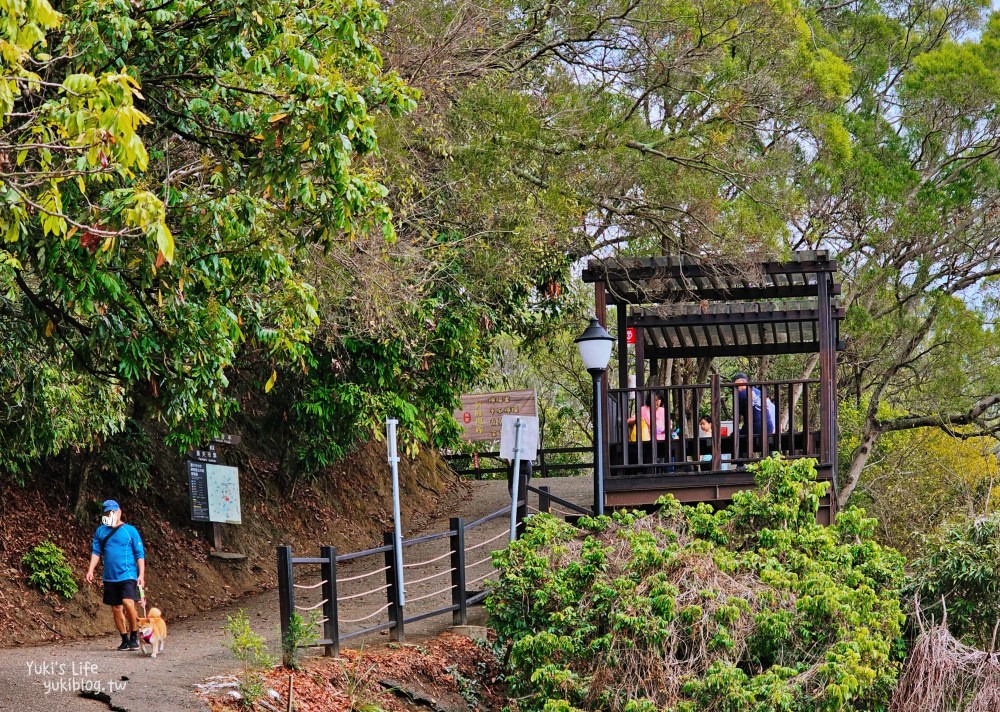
656	430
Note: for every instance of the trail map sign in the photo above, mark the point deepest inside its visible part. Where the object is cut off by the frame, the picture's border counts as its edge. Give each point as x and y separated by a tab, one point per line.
215	493
481	414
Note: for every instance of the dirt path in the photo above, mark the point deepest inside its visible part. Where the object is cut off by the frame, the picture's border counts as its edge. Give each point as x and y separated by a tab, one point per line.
50	677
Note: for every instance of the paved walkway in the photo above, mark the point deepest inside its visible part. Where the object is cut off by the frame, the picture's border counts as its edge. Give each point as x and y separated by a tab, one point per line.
49	677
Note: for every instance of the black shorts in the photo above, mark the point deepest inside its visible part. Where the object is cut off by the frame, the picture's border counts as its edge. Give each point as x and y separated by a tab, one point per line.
115	591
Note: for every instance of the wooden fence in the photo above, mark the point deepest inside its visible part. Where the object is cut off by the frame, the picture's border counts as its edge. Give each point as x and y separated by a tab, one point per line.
551	462
463	564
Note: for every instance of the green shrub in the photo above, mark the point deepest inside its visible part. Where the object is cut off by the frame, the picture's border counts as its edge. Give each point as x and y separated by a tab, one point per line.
756	607
962	569
300	634
250	649
48	570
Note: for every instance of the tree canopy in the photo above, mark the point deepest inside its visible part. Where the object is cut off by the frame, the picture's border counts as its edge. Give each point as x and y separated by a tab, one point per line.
165	170
212	209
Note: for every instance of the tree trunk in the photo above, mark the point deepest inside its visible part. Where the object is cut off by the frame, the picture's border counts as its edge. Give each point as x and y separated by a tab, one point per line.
762	367
869	437
85	463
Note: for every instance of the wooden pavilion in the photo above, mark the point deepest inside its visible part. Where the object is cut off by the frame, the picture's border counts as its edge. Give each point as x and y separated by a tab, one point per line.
673	308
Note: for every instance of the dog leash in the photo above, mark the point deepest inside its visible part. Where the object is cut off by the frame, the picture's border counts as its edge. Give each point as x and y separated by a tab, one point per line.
142	600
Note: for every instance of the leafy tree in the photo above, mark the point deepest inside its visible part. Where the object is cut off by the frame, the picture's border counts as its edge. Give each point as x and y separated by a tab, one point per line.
920	481
165	169
909	210
564	127
356	376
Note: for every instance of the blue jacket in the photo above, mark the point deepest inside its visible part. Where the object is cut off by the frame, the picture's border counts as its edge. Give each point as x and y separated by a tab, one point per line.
756	410
121	553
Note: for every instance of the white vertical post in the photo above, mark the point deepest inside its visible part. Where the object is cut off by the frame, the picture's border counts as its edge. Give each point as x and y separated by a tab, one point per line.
515	485
397	520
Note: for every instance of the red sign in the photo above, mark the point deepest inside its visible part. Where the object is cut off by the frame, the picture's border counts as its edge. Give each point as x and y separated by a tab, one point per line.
630	335
466	417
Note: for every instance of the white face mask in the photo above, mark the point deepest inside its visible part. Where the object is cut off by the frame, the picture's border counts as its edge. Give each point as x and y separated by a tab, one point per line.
111	518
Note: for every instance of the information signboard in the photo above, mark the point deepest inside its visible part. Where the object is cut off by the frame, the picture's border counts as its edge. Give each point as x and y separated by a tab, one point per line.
214	492
198	485
481	414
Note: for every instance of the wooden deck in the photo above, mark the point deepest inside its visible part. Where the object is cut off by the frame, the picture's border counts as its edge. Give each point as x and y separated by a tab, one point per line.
714	487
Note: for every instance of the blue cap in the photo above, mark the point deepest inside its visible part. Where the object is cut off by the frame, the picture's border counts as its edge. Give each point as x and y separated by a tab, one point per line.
110	505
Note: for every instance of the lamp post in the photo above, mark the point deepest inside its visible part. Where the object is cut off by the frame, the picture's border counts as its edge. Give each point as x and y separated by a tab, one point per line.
595	351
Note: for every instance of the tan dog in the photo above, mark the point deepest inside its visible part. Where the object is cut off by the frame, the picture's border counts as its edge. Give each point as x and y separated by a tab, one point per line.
152	632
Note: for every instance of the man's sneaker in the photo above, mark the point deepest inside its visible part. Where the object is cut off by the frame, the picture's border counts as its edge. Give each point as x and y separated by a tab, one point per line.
126	645
133	642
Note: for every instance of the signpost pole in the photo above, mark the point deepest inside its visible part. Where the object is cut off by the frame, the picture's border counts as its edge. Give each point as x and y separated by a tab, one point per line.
390	431
518	424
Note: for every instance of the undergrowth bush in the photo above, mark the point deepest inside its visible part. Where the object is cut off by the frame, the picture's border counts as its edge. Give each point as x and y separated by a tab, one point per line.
962	571
250	649
755	607
49	571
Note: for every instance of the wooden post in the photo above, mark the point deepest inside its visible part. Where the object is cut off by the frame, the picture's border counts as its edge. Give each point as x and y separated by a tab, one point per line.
640	396
286	596
394	581
716	423
640	357
834	426
460	616
622	313
736	424
331	627
217	536
544	503
827	445
765	436
624	398
810	446
522	503
543	472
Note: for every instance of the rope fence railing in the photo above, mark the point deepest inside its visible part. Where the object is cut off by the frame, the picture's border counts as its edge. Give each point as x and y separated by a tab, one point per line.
306	609
488	541
393	615
365	575
363	593
481	578
478	563
418	564
431	595
432	576
365	618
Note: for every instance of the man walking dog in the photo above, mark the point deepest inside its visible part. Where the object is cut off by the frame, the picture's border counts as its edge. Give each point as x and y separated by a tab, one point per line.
124	570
